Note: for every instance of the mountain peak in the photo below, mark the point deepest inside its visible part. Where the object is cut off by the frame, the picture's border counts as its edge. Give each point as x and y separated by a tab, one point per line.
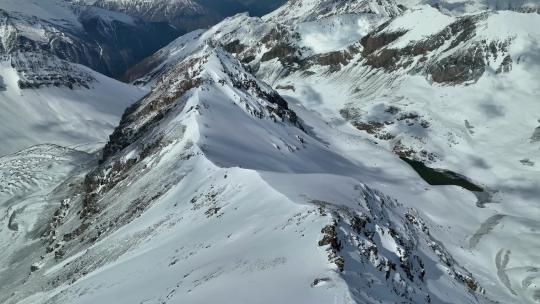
211	68
333	151
309	10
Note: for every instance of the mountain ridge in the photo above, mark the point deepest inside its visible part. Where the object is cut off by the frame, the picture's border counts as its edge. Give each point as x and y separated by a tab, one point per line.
186	140
267	157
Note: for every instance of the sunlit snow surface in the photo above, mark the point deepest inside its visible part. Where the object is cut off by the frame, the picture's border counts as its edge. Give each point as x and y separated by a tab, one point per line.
78	117
483	131
238	217
68	104
336	32
242	205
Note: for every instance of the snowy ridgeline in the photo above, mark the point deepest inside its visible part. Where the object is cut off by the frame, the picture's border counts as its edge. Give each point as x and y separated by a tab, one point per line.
79	117
106	41
202	206
215	182
46	94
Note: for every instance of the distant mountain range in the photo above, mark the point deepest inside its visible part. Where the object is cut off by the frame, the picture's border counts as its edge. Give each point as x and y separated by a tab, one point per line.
188	15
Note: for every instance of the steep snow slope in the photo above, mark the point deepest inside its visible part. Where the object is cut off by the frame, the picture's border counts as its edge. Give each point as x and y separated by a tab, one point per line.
184	14
309	10
429	86
468	6
81	116
213	183
45	97
441	93
188	15
105	41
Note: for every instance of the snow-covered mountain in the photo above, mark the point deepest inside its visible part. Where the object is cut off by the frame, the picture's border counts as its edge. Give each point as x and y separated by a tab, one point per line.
81	116
194	190
302	10
467	6
331	151
47	95
186	15
105	41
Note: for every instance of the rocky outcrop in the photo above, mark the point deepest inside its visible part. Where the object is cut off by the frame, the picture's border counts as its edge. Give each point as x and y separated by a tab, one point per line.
103	41
121	45
359	239
140	120
300	10
37	69
451	56
387	125
536	135
188	15
506	65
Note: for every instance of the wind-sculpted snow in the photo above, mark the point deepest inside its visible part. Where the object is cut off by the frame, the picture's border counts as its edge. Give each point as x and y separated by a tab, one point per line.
213	181
46	96
310	10
26	179
217	187
105	41
460	7
426	85
78	117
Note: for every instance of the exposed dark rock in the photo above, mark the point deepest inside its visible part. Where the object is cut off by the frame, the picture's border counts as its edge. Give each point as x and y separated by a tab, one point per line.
34	267
234	47
527	162
392	110
334	60
536	135
371	127
289	87
460	65
59	254
459	68
281	108
212	211
284	52
107	46
318	281
506	65
377	40
124	134
330	238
